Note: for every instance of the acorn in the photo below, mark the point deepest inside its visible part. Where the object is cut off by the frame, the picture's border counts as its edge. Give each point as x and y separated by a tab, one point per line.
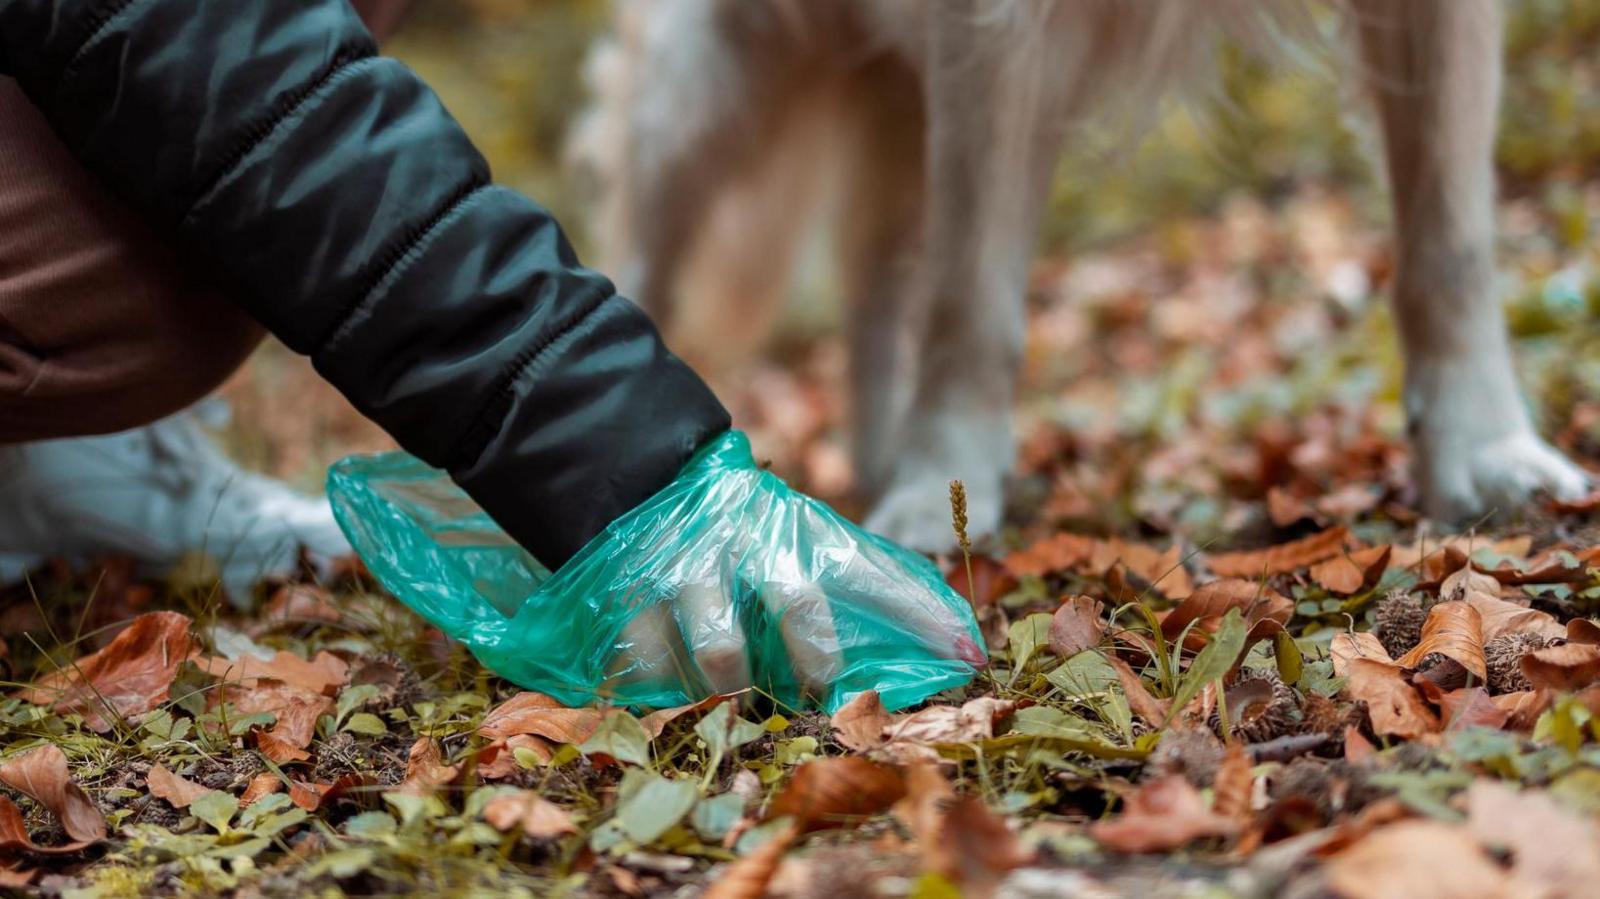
1260	707
1503	657
1398	619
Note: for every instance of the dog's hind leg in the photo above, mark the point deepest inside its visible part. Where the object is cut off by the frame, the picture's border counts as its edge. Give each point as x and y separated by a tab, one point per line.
1434	70
994	132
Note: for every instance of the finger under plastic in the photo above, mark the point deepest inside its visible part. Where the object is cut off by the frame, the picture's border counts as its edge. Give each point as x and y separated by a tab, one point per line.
810	636
649	649
710	627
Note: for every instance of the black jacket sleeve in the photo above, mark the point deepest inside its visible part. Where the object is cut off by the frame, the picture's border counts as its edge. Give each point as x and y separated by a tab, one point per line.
331	194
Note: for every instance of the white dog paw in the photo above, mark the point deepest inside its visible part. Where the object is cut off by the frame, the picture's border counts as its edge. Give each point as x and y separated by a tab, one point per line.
1464	481
915	512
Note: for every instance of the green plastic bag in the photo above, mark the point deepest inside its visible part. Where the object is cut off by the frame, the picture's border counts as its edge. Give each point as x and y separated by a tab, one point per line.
725	578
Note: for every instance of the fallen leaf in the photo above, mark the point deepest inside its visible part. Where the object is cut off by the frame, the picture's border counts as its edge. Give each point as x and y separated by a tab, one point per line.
1563	669
42	774
132	675
1471	707
1161	815
1417	860
859	723
1553	851
748	877
1162	570
958	837
1452	629
1140	700
1351	645
1265	610
263	784
1582	630
1283	558
655	723
1234	785
311	796
426	771
533	814
540	715
1502	617
1076	626
972	721
1393	704
178	791
1352	572
295	712
1058	552
837	792
1523	708
294	604
325	673
14	835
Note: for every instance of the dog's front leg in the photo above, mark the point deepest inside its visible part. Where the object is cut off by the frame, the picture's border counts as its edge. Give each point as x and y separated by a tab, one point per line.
994	132
1435	72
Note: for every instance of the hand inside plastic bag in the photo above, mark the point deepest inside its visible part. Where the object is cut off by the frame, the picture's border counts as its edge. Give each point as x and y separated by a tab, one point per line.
725	579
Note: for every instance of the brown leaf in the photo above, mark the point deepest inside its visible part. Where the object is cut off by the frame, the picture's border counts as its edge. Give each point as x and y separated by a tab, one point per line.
1523	708
1234	785
1417	860
1582	630
1076	626
1502	617
312	796
974	720
1563	669
1265	610
536	816
538	714
1154	711
958	836
294	604
132	675
1161	815
1356	747
294	709
1553	851
14	836
1454	630
498	760
859	724
1468	581
324	674
748	877
1353	571
1283	558
1471	707
178	791
837	792
1394	705
1162	570
1058	552
262	784
1348	646
426	771
656	722
42	774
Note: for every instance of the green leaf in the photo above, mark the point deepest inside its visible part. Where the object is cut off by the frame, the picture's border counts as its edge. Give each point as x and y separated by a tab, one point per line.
722	731
1287	653
1026	637
342	863
367	724
1089	679
714	816
352	698
1048	721
216	809
656	807
1213	662
622	737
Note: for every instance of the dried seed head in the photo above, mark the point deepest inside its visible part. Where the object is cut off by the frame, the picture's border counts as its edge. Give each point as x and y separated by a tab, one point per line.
1503	657
958	514
1398	619
1194	753
1321	715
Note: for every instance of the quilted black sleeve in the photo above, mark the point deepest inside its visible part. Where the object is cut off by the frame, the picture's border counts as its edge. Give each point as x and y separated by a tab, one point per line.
329	191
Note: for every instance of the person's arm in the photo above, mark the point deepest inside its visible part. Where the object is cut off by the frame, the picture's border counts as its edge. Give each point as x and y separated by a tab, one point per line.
328	191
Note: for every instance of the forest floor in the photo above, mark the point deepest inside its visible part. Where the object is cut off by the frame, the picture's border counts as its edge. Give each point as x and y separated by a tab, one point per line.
1226	658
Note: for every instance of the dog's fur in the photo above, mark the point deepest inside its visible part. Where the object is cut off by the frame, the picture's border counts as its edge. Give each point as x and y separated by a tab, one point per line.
950	115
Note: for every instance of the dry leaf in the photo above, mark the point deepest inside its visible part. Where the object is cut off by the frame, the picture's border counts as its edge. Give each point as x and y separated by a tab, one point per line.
1563	669
1265	610
974	720
1502	617
1553	851
837	792
1140	700
1453	629
1582	630
958	836
1471	707
132	675
1348	646
656	722
536	816
1283	558
538	714
325	673
313	796
295	711
1058	552
1076	626
1162	815
1417	860
1352	572
1523	708
748	877
42	774
426	771
1234	785
860	723
1393	704
178	791
263	784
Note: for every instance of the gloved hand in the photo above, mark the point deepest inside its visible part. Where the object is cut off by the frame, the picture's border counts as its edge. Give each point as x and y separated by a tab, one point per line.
725	579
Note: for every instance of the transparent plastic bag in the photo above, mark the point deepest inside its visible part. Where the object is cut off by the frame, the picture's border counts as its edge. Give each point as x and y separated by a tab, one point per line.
725	578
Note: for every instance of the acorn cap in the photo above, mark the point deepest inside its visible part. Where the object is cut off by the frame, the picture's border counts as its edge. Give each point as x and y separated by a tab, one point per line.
1397	620
1260	707
1502	656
